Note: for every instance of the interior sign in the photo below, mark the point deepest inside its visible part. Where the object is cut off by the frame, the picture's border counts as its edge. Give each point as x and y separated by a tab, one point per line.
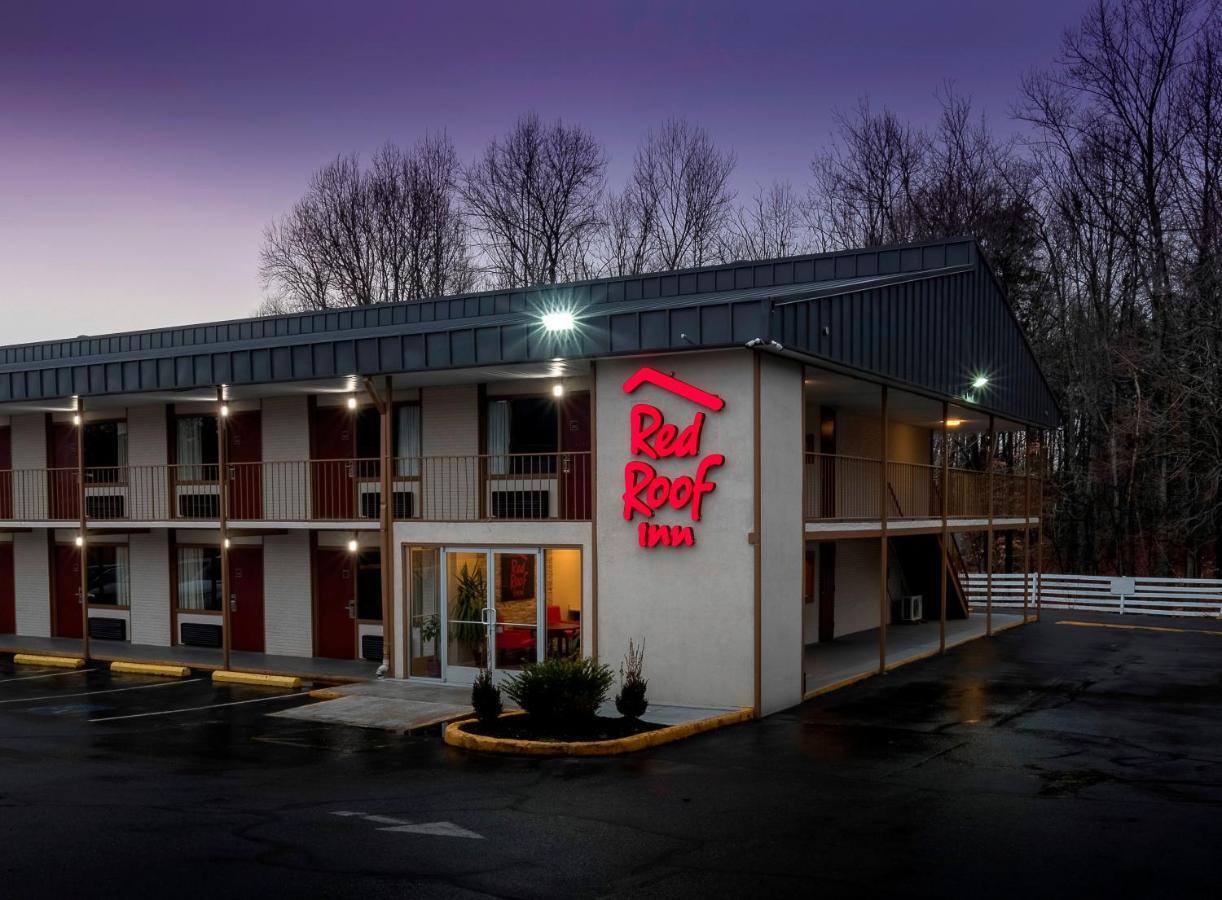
651	437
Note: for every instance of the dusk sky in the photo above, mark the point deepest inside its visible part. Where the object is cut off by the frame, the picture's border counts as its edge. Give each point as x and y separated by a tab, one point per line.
144	146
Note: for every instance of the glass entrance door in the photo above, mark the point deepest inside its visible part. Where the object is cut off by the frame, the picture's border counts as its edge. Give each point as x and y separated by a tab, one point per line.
492	603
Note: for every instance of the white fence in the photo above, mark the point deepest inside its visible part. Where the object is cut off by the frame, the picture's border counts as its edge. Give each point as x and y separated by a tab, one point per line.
1200	597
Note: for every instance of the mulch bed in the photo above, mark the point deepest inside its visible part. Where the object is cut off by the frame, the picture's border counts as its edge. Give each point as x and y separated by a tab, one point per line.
523	728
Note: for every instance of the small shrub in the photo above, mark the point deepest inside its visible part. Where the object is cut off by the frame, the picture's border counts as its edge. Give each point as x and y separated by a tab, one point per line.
630	701
486	697
561	691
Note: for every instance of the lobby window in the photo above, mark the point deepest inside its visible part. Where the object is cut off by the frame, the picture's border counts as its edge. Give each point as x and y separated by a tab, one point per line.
105	450
107	572
522	425
199	579
197	445
369	585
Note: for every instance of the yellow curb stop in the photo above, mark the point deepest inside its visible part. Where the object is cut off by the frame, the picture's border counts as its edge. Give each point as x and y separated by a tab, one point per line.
58	662
225	676
456	737
139	668
325	694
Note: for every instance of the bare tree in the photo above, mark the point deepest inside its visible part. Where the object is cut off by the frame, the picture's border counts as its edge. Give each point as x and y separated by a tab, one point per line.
772	225
534	197
392	233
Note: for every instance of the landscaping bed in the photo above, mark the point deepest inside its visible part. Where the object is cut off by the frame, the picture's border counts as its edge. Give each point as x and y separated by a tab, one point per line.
522	727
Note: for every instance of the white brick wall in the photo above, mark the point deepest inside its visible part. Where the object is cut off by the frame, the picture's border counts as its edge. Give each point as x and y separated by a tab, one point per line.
449	422
286	445
29	437
149	558
147	451
287	615
32	578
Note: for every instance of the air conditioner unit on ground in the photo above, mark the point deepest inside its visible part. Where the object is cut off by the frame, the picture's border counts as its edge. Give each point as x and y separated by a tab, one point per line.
910	608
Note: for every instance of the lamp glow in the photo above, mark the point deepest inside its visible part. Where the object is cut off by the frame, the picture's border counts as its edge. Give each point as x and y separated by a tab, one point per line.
226	543
224	409
559	320
352	545
76	420
953	423
557	390
352	402
80	541
980	382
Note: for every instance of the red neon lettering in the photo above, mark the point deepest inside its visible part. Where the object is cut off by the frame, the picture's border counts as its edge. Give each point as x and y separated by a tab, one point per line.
650	535
647	375
645	491
651	435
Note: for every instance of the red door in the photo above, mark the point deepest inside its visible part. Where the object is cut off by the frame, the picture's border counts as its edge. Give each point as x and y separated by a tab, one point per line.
6	474
246	598
67	610
61	479
334	451
575	466
335	594
245	452
8	591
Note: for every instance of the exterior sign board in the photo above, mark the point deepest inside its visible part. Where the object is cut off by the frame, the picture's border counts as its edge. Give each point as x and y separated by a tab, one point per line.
652	439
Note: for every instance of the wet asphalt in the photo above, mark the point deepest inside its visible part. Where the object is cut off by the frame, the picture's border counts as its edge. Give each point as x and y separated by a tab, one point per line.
1054	761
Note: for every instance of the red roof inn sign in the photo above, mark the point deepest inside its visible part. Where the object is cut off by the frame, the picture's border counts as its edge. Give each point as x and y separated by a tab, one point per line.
646	492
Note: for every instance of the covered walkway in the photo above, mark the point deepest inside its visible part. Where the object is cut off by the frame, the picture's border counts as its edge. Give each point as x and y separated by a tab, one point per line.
852	657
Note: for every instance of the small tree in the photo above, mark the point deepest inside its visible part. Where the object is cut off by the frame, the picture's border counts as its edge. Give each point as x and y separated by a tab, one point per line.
486	698
630	701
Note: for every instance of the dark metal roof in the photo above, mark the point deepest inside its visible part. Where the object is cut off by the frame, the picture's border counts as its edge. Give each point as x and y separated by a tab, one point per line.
927	315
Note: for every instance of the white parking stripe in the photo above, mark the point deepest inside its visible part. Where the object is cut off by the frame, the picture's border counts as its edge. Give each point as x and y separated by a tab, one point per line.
138	687
48	675
170	712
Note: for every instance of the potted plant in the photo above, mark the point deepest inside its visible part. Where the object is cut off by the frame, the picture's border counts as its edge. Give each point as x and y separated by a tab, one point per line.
466	625
430	631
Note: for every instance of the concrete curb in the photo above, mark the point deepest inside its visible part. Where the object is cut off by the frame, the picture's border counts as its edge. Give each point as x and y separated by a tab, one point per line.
225	676
135	668
58	662
456	737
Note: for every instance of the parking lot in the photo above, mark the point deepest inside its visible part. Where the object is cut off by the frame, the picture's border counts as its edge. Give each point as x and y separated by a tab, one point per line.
1055	760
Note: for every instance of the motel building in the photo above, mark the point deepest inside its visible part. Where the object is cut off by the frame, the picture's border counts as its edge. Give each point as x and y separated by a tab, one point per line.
740	466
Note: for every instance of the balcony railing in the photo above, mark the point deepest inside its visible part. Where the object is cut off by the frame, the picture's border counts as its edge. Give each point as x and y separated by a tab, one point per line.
526	486
847	488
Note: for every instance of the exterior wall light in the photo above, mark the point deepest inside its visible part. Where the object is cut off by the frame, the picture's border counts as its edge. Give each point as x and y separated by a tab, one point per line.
224	409
980	381
559	320
953	423
80	541
226	543
352	402
352	546
76	419
557	390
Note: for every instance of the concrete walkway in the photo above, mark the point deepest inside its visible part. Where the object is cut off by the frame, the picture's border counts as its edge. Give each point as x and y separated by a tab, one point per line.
854	656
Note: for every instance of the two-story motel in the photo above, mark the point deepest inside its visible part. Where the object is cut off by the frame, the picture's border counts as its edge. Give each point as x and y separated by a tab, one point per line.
739	465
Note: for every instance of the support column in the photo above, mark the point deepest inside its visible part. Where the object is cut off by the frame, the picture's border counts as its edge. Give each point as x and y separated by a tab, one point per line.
385	407
83	533
945	529
883	507
1026	520
222	487
988	608
1039	539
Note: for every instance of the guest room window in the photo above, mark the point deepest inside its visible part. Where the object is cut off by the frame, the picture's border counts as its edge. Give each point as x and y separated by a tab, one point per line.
105	450
197	448
404	435
199	579
108	580
522	425
369	585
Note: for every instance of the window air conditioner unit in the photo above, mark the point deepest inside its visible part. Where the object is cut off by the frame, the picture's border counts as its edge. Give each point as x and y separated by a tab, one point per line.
911	608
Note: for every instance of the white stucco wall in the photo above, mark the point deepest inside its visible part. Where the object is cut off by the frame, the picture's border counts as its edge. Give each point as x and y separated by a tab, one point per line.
148	447
857	564
149	558
781	606
285	423
287	616
692	606
29	444
32	580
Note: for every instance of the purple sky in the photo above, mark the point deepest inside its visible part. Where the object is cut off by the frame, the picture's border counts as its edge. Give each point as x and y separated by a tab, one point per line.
144	145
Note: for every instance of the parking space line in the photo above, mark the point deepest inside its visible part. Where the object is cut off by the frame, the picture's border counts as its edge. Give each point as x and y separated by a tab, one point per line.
1118	626
136	687
48	675
170	712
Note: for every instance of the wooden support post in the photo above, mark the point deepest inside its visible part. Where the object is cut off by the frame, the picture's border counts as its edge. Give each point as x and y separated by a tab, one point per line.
883	593
222	487
945	529
385	407
988	597
1026	520
83	558
1039	540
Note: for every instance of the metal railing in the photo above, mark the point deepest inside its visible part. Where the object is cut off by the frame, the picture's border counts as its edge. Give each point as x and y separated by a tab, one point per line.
847	488
524	486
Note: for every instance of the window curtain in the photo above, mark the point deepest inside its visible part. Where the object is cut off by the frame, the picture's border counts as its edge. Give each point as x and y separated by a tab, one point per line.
498	437
121	444
194	578
123	593
407	441
191	449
